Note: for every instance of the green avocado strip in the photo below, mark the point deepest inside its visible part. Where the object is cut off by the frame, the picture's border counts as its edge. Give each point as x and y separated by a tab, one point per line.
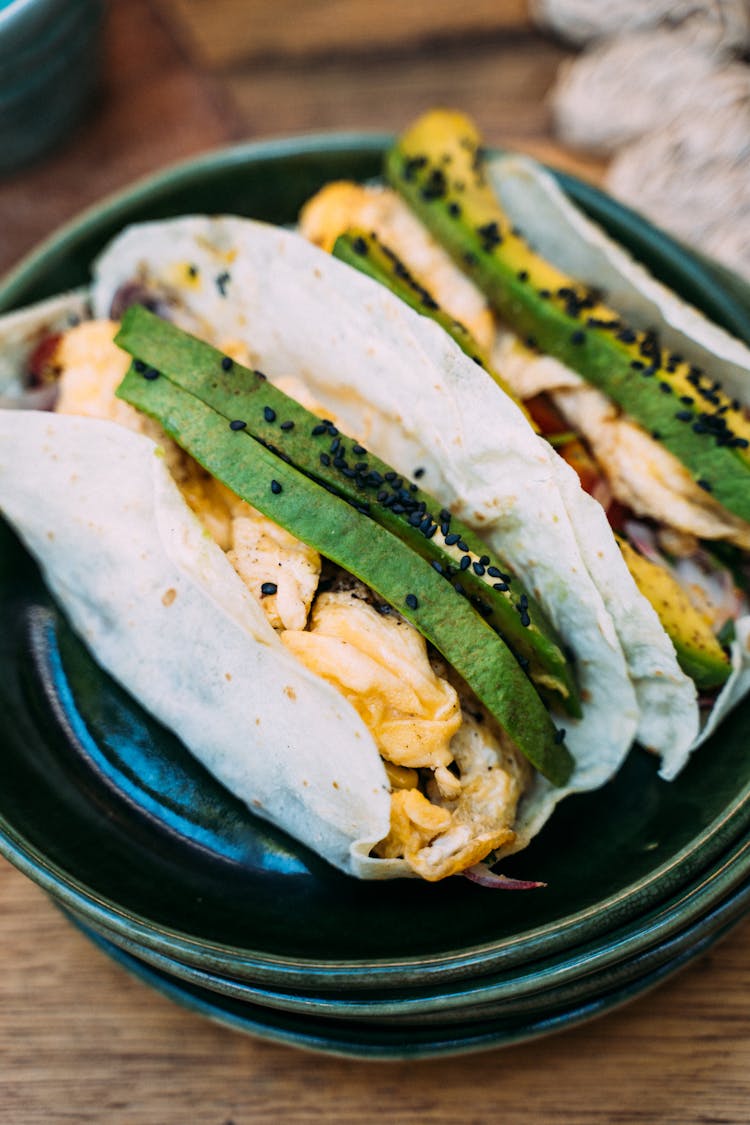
438	168
340	463
365	252
353	541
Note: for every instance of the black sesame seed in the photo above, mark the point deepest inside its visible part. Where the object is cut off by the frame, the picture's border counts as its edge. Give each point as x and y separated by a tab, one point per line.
704	484
275	487
544	294
289	425
465	562
358	449
222	281
139	366
739	443
637	365
627	335
525	619
268	588
412	601
684	415
700	428
415	519
419	473
237	424
319	429
476	567
428	532
227	363
656	435
502	586
458	588
436	566
687	399
493	571
462	546
335	445
666	388
523	275
454	209
325	459
578	337
269	414
151	373
359	246
452	538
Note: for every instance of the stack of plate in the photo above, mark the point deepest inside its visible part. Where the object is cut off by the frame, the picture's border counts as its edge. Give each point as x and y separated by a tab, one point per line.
162	867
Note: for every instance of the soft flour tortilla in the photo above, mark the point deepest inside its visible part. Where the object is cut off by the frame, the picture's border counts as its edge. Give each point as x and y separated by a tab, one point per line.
164	612
399	384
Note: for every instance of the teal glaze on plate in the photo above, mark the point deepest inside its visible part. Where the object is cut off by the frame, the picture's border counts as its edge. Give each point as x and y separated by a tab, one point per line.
107	811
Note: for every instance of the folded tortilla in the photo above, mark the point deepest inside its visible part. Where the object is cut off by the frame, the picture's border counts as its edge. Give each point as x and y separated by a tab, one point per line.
148	591
561	233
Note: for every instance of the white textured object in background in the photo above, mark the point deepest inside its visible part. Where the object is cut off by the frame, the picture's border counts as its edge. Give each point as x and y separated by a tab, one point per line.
693	176
621	88
581	21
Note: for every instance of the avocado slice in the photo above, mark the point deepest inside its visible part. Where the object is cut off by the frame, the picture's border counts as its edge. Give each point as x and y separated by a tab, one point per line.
698	651
341	464
355	542
438	167
366	252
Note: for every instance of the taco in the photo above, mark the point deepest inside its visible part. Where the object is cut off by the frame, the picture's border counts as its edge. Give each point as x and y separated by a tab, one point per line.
639	393
298	683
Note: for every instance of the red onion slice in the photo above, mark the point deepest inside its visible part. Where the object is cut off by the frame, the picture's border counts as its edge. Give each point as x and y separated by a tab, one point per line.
482	874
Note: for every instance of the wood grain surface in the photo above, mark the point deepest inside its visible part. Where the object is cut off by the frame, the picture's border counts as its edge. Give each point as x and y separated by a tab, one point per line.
82	1041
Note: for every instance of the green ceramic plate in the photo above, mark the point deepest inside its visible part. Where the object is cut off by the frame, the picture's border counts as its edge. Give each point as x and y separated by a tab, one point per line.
357	1039
714	901
104	808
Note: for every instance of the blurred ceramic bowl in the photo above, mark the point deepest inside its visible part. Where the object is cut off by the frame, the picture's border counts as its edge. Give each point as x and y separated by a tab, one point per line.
49	65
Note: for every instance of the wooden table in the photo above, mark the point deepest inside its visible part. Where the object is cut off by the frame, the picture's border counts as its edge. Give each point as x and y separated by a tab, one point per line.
80	1040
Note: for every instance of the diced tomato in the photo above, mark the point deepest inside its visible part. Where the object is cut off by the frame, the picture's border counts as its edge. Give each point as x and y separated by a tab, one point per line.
551	424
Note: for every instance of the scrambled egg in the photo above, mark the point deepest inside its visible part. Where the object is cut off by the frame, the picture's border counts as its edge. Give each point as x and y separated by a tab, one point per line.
439	835
342	205
455	779
472	776
379	662
263	552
